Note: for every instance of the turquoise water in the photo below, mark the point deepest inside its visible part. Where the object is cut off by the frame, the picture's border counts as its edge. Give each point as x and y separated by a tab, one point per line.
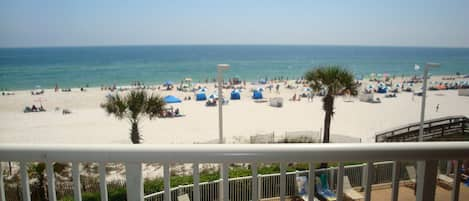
24	68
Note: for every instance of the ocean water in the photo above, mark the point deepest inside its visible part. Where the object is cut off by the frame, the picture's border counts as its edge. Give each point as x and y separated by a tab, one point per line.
25	68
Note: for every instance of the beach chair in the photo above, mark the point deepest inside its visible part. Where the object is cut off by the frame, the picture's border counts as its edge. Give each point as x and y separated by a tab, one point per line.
412	176
322	189
444	180
184	197
350	192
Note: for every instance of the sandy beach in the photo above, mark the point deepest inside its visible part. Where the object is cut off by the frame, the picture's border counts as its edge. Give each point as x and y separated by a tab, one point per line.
88	123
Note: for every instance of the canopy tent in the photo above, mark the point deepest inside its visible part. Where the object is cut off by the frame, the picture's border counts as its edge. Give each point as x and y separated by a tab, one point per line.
200	96
257	95
235	95
171	99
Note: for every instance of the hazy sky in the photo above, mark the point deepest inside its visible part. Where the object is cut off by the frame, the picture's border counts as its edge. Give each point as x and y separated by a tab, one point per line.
150	22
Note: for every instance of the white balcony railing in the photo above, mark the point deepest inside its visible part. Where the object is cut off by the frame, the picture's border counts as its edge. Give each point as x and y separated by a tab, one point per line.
133	155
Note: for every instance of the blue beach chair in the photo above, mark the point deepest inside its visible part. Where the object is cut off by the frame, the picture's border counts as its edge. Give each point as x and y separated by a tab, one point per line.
322	189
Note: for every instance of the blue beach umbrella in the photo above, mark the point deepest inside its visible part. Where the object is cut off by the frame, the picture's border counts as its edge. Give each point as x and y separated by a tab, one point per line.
168	83
171	99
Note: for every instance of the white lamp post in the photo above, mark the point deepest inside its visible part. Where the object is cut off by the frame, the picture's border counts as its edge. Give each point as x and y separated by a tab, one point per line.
424	96
220	69
223	168
425	169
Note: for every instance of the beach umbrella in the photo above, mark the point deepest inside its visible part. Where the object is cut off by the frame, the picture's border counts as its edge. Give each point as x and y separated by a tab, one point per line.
168	83
171	99
307	89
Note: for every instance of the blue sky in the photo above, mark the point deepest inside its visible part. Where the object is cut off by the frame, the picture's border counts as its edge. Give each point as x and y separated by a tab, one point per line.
25	23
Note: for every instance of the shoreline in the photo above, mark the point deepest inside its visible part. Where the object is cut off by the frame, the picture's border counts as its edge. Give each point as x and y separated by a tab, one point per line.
213	82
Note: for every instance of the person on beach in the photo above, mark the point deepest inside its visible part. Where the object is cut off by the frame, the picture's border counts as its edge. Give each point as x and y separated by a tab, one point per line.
277	88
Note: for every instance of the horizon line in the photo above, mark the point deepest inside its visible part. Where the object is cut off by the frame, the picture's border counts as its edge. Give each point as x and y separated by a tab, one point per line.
240	44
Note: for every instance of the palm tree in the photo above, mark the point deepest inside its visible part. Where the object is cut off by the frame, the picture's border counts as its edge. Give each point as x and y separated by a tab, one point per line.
334	80
134	106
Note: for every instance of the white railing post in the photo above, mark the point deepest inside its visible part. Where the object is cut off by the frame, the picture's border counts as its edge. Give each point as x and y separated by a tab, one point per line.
134	180
363	179
102	181
331	178
25	181
283	181
456	181
448	167
340	182
167	182
311	181
76	181
368	180
255	185
426	180
396	174
2	185
196	178
50	181
225	183
260	187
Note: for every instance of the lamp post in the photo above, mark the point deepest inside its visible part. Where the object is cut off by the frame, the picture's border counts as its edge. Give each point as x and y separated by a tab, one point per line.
426	170
220	69
223	193
424	96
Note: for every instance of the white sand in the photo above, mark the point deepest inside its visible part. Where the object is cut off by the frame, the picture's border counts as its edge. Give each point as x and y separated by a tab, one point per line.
88	123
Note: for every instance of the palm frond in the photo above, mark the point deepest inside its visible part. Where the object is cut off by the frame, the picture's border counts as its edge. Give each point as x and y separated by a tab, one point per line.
154	106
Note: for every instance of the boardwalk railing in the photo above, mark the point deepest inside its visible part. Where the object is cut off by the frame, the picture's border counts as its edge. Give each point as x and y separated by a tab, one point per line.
427	154
434	128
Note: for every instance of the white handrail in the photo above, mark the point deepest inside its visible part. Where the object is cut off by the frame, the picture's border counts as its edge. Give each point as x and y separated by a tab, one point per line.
233	153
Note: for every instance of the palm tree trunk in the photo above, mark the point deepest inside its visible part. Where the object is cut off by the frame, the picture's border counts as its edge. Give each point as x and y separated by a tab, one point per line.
134	133
329	109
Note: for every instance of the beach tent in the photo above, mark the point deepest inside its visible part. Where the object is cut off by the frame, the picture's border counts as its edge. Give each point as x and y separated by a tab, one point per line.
235	95
257	95
200	96
382	89
307	89
171	99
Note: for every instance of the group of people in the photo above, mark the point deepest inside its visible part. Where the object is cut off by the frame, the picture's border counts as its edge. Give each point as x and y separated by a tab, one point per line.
33	108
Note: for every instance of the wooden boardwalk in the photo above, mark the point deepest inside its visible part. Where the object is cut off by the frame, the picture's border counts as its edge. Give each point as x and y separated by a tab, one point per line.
452	128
